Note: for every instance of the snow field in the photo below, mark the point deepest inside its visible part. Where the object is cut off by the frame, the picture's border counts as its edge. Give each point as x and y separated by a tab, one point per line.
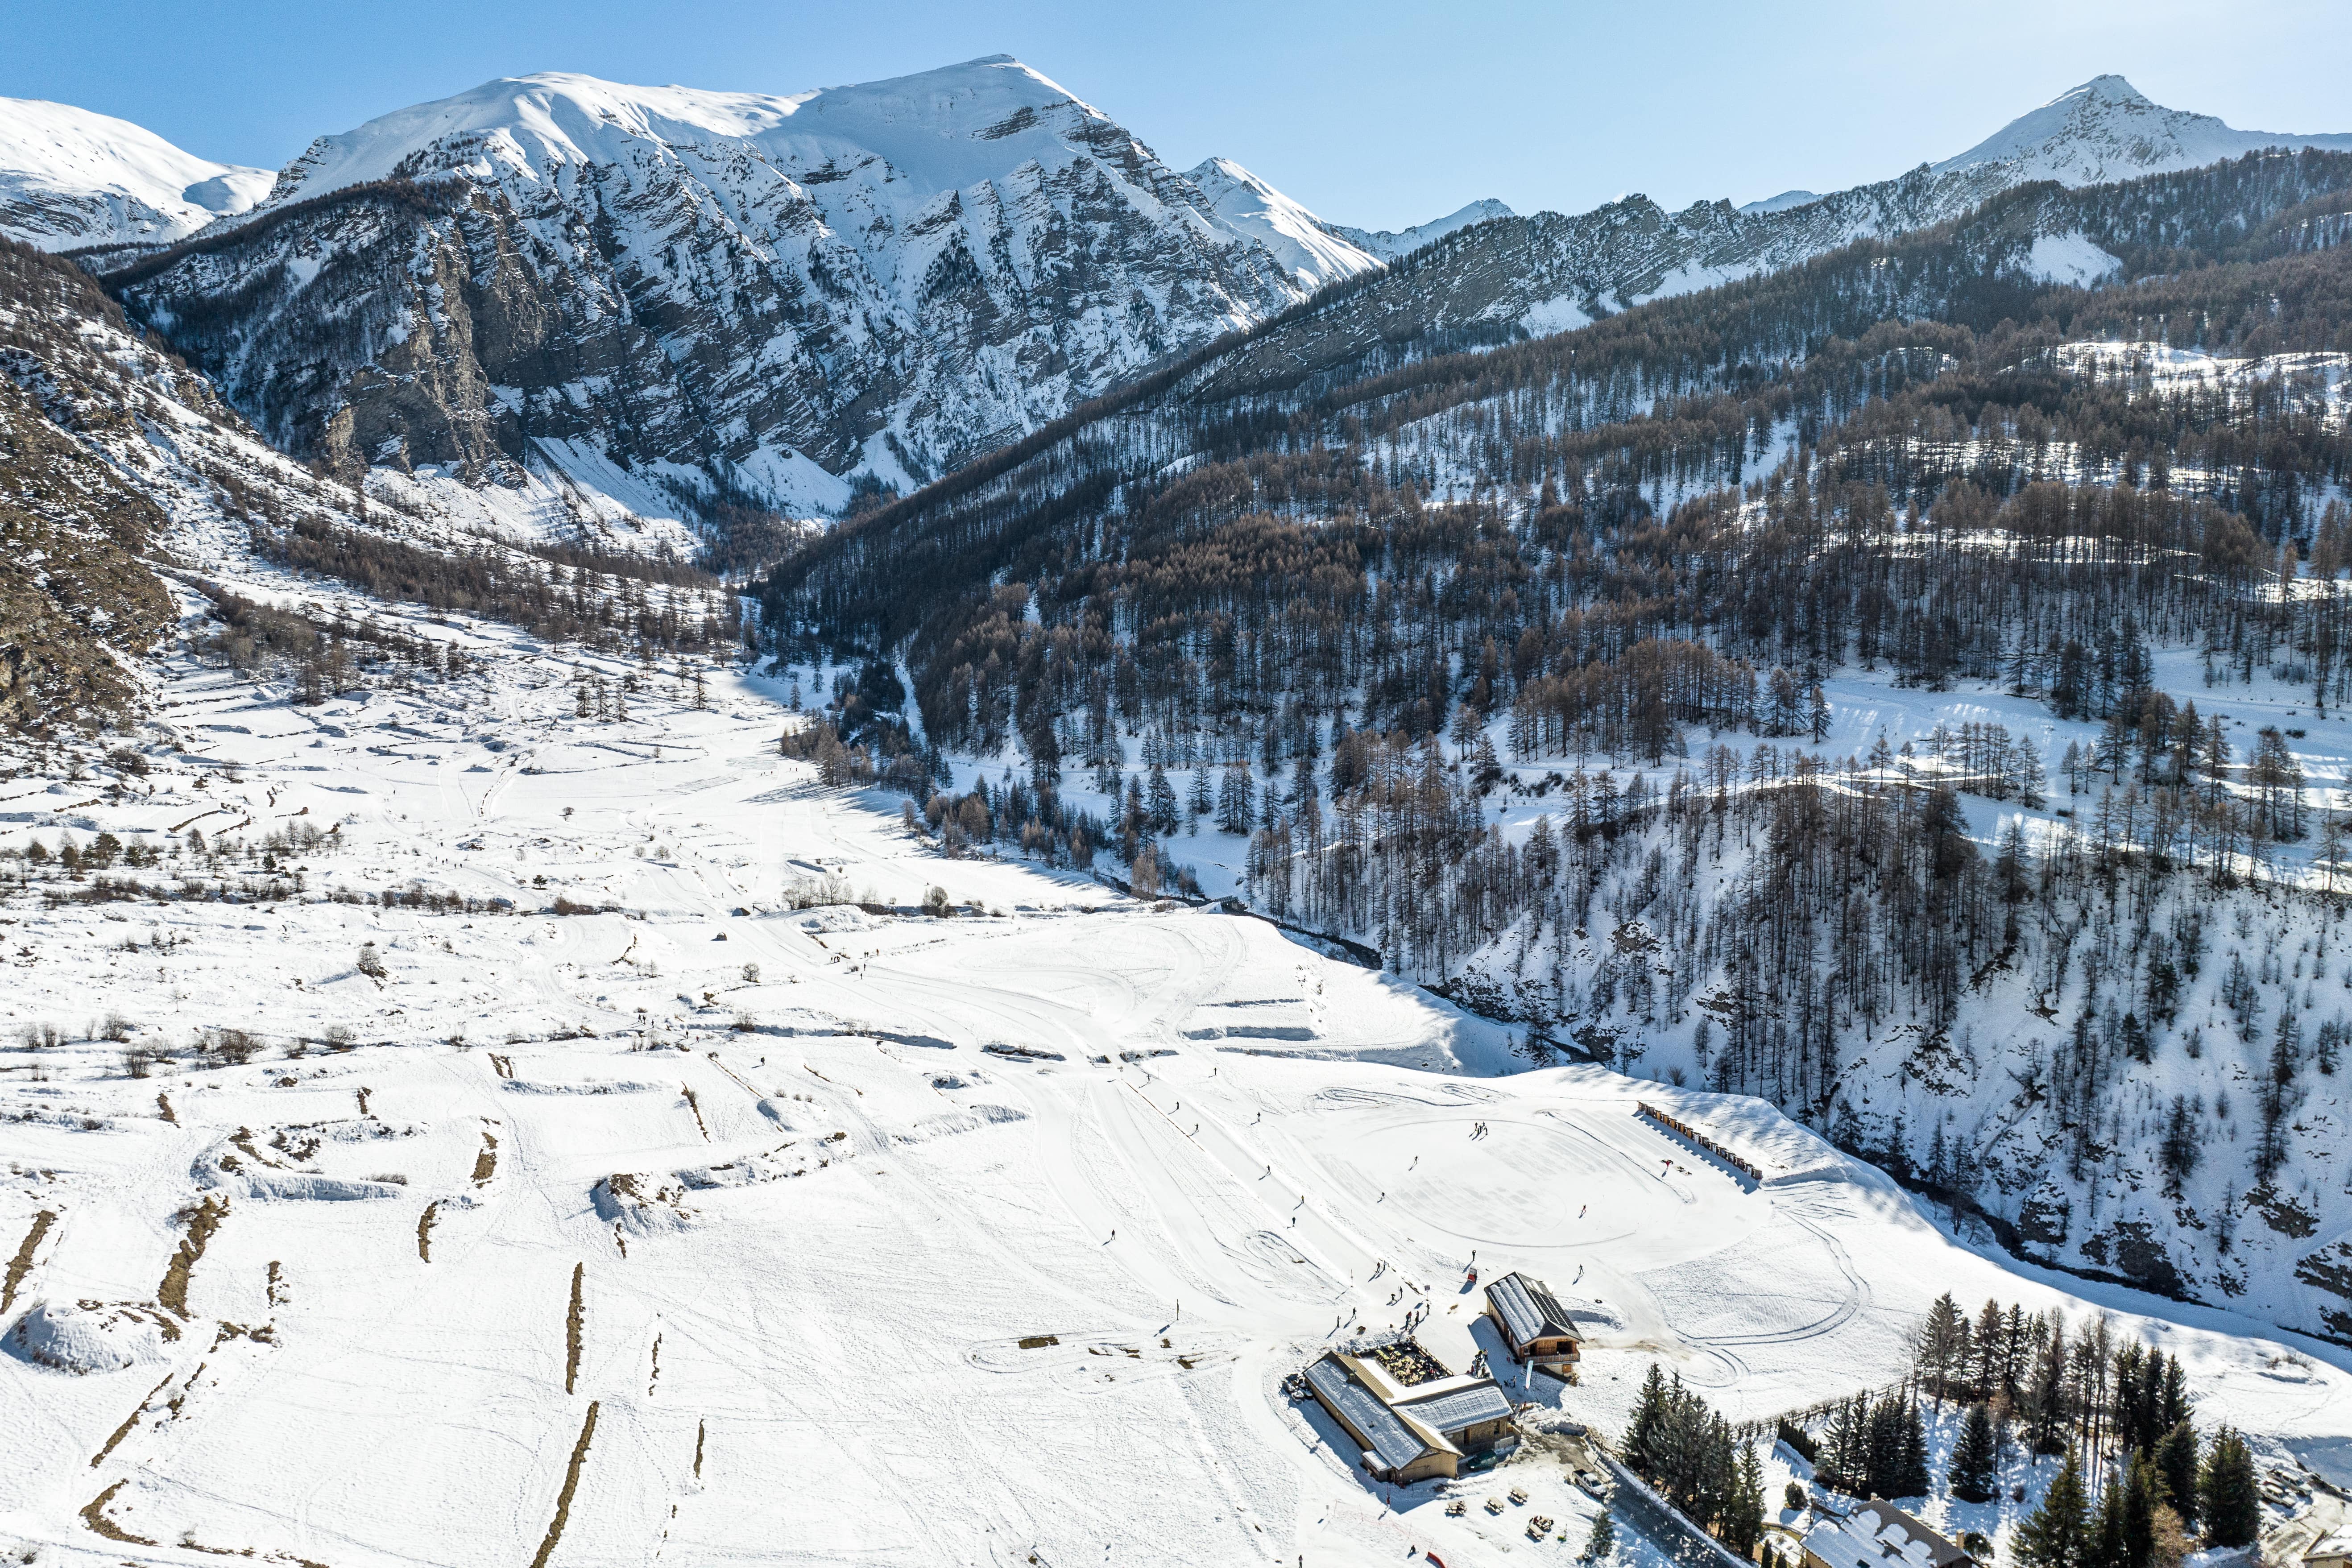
813	1219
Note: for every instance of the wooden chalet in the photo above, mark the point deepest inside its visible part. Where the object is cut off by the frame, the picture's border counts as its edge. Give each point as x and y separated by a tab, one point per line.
1534	1325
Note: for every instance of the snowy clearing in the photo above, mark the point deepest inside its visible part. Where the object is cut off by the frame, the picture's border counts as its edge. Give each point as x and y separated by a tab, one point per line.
698	1227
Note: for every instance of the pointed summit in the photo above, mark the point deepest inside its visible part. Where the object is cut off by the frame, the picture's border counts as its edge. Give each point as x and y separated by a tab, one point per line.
2107	129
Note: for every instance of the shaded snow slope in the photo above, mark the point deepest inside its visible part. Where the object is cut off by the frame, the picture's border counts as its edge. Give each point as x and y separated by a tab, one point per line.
69	177
2107	130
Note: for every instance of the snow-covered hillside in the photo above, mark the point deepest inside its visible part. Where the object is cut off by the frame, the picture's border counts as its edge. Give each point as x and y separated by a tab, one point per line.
2107	130
447	1107
70	178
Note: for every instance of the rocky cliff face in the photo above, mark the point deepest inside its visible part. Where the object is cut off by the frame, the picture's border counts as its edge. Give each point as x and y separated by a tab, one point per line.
705	295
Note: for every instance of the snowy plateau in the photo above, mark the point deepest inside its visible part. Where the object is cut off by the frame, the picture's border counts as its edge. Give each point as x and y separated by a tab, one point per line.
472	1091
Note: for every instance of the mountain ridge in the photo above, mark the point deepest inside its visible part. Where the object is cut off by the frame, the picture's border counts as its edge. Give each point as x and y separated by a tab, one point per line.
683	300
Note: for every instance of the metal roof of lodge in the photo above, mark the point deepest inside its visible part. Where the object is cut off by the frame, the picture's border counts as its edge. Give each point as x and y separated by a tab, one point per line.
1394	1446
1880	1535
1463	1407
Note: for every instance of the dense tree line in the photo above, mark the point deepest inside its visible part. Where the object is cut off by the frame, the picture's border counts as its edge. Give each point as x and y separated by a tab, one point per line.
1688	1452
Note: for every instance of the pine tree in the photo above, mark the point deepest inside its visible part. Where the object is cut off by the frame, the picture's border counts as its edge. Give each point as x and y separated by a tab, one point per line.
1976	1458
2057	1533
2227	1498
1602	1544
2104	1547
2143	1494
1910	1478
1161	805
2176	1462
1134	817
1743	1516
1237	800
2045	1393
1941	1349
1989	1339
1642	1433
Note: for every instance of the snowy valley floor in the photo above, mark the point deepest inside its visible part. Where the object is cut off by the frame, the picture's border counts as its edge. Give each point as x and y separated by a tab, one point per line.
708	1230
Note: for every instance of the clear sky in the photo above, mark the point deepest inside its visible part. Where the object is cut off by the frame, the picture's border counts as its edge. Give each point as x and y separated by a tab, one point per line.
1381	113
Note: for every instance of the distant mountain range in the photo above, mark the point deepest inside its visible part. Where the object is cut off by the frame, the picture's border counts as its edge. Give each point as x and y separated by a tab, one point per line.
681	299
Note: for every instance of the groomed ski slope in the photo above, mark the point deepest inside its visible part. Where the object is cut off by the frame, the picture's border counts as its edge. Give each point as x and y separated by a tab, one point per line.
588	1227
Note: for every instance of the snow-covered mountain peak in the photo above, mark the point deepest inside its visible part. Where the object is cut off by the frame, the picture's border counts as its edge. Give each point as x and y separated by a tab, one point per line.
889	276
2106	128
69	177
1313	250
1389	244
1781	203
936	130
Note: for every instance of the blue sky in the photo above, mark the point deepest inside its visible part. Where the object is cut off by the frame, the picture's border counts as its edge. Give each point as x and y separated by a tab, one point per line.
1377	113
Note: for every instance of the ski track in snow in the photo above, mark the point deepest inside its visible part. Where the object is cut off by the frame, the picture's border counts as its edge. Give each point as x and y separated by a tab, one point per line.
801	1331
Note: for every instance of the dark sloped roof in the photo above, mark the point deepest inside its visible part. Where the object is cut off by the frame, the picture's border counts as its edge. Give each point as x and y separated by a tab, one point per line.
1464	1407
1529	1308
1393	1446
1883	1536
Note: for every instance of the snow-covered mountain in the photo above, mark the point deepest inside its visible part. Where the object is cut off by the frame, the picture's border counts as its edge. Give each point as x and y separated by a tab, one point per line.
71	178
1552	272
1389	244
1780	202
660	299
1315	251
663	293
2107	130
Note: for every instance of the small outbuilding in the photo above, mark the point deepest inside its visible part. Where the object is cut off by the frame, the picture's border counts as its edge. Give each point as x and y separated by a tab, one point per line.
1880	1535
2333	1552
1534	1325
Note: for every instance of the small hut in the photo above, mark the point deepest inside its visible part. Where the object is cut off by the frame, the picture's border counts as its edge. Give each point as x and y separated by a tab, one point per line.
2331	1551
1534	1325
